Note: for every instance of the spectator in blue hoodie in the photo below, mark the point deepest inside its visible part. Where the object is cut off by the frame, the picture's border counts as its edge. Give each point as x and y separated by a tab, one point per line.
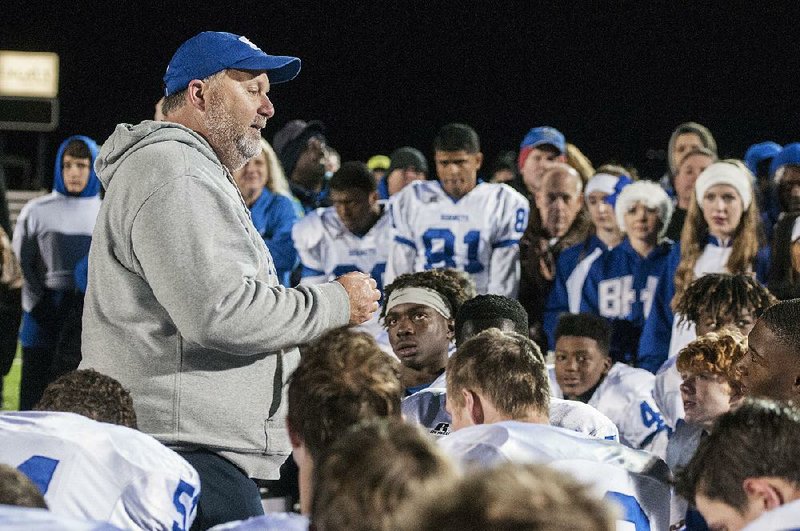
53	233
274	210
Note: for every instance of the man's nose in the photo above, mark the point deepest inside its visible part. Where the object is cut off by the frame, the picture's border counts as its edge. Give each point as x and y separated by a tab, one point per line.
266	108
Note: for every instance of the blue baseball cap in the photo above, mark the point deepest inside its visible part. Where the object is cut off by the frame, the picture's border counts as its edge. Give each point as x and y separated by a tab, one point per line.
790	154
757	153
539	136
210	52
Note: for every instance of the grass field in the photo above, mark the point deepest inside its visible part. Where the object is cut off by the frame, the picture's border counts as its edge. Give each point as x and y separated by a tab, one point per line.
11	384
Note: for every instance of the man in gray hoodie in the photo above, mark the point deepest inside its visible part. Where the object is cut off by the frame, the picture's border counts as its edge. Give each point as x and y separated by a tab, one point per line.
183	306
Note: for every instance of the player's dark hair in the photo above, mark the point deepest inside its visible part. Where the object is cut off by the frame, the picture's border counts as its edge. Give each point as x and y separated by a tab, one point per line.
343	378
782	319
457	137
370	472
506	367
17	489
91	394
488	311
353	175
758	439
444	282
585	325
78	149
720	294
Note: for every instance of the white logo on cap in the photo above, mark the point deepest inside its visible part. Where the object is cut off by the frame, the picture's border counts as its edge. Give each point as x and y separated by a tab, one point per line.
250	44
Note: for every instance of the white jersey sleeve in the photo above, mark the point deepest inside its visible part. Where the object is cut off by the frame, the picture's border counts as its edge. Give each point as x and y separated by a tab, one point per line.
626	397
402	247
667	392
13	518
583	418
307	235
97	471
635	480
427	408
512	219
267	522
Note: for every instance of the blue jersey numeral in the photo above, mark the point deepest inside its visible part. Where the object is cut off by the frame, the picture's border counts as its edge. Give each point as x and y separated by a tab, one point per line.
377	272
650	417
633	511
443	256
184	509
521	220
40	470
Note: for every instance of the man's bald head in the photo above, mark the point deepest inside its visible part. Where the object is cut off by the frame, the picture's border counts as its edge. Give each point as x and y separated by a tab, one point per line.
560	198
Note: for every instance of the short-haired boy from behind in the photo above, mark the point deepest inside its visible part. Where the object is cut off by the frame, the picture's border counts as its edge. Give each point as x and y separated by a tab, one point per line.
427	407
371	472
342	379
510	497
82	452
500	418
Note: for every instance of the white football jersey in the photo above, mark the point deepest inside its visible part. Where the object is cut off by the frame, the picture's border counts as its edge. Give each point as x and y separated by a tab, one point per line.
267	522
626	397
636	480
478	234
97	471
427	408
327	250
14	518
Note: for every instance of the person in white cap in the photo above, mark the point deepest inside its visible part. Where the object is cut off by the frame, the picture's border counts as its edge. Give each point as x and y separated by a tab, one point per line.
184	306
720	236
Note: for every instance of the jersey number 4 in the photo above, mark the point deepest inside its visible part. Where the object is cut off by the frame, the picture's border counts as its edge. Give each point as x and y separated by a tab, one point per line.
440	249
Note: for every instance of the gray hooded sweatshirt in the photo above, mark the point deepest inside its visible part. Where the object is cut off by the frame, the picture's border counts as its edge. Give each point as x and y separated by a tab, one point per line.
184	307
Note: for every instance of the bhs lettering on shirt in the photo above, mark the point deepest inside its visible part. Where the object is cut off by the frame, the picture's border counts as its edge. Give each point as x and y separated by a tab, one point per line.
616	296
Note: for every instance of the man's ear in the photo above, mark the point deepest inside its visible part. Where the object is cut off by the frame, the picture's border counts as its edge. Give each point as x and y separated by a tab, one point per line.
473	406
294	438
479	159
451	329
197	94
763	493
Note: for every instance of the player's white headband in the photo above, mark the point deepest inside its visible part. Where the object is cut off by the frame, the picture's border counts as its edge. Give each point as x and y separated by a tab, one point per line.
418	295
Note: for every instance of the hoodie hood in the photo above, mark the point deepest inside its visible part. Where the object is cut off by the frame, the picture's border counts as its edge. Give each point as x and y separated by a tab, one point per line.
92	187
128	139
694	128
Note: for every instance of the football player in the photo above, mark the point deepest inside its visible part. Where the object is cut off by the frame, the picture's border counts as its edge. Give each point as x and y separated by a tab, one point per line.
498	396
458	222
81	449
584	371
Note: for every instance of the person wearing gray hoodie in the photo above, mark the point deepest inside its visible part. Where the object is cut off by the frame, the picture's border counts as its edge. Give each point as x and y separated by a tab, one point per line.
183	305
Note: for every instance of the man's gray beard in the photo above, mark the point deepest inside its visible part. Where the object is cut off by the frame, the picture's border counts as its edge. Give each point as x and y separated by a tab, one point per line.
230	140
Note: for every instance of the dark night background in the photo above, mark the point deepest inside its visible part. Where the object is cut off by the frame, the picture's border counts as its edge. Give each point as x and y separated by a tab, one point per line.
616	78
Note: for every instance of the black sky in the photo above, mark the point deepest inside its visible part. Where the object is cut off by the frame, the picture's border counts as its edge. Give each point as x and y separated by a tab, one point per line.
614	77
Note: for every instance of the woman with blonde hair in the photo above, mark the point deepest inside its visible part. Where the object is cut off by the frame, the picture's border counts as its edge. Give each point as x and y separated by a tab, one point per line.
274	210
721	235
